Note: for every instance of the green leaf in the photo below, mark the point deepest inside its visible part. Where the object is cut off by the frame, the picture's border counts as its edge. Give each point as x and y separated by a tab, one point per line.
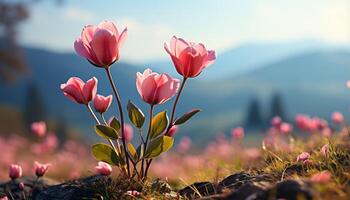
139	151
186	116
104	152
159	146
132	151
115	124
159	124
136	115
106	132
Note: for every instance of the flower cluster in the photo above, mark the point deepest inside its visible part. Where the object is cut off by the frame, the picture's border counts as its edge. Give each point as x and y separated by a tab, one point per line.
100	45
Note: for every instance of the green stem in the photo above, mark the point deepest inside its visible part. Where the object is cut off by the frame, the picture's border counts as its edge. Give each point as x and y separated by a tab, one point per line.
121	117
98	122
171	122
175	104
147	139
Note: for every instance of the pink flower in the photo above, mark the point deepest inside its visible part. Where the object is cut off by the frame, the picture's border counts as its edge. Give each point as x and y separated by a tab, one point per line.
38	128
184	145
128	132
302	122
78	91
103	168
189	58
15	171
337	117
156	88
100	44
321	177
276	121
41	169
133	193
102	103
325	150
173	130
303	157
4	198
21	186
286	128
237	133
326	132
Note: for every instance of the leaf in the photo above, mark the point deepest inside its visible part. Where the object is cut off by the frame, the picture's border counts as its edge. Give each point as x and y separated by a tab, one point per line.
115	124
159	146
136	115
104	152
106	132
139	151
159	124
186	116
132	151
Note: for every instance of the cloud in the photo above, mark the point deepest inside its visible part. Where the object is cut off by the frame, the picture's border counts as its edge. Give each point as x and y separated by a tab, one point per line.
144	37
77	14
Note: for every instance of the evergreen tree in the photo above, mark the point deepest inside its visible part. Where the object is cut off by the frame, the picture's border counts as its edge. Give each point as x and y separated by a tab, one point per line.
34	106
277	106
254	118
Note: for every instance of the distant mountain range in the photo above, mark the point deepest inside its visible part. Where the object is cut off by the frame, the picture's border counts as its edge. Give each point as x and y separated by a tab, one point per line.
310	82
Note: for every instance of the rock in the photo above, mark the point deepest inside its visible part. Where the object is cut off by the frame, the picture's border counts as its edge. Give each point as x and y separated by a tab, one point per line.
247	191
290	190
234	181
32	186
160	186
198	189
78	189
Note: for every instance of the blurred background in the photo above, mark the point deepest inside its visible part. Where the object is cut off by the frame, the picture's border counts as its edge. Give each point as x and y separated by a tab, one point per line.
273	58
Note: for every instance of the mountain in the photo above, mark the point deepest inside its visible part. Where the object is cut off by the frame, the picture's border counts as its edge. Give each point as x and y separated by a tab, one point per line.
248	57
312	83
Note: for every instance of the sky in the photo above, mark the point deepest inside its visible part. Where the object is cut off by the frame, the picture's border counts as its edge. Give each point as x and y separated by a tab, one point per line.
219	24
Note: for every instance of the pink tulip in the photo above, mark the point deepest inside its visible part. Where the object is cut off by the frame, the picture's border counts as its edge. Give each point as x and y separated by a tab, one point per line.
173	130
21	186
189	58
286	128
100	44
128	132
303	157
321	177
103	168
15	171
337	117
325	150
78	91
102	103
276	121
237	133
156	88
41	169
38	128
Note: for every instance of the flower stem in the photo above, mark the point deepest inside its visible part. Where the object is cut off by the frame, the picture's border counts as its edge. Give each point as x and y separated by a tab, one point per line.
147	138
121	117
98	122
171	122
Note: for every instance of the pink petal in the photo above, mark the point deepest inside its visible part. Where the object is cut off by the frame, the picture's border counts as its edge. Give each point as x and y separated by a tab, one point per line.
90	89
109	26
122	37
87	34
104	45
81	49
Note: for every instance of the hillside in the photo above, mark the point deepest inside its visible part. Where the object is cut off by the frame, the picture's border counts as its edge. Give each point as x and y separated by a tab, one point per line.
311	83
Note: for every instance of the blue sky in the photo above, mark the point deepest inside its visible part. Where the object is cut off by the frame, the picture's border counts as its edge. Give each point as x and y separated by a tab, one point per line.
220	24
